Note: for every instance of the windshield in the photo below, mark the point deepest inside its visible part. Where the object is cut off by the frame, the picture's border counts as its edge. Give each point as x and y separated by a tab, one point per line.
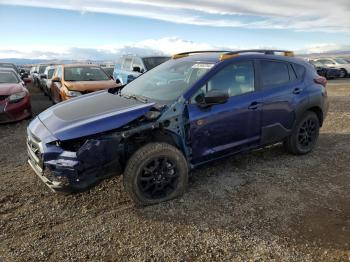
152	62
84	73
42	69
167	81
340	61
50	73
8	77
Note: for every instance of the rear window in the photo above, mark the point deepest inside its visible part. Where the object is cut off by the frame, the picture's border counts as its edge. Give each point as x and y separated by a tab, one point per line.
274	73
84	73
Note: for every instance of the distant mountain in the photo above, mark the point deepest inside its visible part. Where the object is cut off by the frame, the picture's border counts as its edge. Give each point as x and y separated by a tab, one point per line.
22	61
330	53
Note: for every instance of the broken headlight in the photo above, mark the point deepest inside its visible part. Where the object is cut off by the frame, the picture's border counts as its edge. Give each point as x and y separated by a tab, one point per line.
152	115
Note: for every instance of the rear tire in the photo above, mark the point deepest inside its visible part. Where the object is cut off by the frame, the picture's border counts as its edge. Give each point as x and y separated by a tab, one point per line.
155	173
304	135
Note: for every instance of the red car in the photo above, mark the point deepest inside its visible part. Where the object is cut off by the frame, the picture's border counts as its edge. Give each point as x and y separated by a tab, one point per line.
14	97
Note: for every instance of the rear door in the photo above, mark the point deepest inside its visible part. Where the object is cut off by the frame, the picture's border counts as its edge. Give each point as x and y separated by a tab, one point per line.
281	88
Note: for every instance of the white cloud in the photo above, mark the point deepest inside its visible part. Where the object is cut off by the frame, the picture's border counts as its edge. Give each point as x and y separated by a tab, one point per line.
162	46
312	15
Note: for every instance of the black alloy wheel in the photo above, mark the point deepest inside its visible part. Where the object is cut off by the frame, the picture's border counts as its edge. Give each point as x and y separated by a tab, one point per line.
158	178
155	173
304	134
307	134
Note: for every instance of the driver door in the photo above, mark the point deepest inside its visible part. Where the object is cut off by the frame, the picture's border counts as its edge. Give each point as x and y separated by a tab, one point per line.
225	128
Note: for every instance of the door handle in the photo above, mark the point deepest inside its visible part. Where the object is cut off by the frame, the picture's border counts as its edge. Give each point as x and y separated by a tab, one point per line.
297	90
254	105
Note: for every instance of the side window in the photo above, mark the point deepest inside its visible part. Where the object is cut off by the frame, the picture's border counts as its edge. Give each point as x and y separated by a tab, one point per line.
292	75
299	70
127	63
274	73
235	79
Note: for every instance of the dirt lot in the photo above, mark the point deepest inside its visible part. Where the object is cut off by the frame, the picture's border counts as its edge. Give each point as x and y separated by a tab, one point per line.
262	206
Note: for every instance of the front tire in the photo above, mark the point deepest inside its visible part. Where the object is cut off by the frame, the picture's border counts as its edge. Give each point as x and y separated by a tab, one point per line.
304	135
343	73
155	173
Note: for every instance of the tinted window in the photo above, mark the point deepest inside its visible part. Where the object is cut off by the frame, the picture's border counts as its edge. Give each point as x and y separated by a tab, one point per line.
234	80
292	75
274	73
300	70
151	62
127	64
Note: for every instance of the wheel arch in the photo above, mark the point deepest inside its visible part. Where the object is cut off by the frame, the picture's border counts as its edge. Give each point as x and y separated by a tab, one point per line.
319	113
138	140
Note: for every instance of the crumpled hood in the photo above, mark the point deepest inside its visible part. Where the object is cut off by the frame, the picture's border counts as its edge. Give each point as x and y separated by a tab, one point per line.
9	89
91	114
90	85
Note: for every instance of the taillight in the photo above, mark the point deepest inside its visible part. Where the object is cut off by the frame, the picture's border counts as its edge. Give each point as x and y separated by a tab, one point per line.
321	80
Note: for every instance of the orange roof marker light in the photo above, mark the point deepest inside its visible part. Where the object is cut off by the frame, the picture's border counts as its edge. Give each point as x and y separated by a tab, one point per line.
180	55
232	54
262	51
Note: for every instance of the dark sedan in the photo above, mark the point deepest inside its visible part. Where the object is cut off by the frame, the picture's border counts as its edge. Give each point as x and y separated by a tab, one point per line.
14	97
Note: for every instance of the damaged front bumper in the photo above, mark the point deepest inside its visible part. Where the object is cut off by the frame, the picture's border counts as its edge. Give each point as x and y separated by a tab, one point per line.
63	170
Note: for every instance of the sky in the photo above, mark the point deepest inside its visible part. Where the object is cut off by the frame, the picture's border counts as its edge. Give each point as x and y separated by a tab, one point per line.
104	29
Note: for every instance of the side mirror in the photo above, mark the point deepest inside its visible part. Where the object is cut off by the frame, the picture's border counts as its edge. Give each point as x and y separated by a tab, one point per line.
137	69
27	80
22	71
56	80
213	97
43	76
35	72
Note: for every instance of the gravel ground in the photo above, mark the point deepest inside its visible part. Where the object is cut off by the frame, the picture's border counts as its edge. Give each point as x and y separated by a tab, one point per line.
263	206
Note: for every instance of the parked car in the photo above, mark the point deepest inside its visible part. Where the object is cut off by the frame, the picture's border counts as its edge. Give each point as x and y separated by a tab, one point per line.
339	63
326	71
9	65
46	79
130	67
24	72
14	97
35	73
156	130
77	79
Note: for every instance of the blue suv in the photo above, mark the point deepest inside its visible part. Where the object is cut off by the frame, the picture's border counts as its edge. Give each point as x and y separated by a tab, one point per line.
192	109
130	67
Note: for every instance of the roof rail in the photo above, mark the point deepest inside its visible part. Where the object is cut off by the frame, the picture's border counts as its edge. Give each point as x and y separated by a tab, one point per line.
180	55
263	51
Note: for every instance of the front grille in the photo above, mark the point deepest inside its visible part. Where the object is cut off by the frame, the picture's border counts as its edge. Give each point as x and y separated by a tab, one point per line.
34	151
